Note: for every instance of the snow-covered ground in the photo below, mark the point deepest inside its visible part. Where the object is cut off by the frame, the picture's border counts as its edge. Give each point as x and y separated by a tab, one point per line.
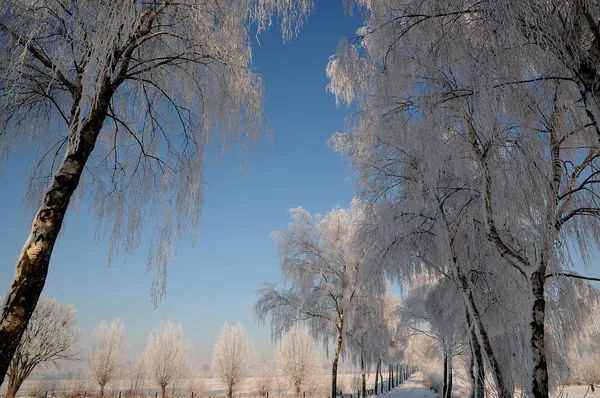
412	388
416	388
576	392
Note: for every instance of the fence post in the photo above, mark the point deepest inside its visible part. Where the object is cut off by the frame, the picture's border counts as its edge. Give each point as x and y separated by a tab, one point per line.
119	394
156	394
46	394
84	394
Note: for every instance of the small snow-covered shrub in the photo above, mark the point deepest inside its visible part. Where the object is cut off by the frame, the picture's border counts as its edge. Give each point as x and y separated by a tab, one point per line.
196	385
356	383
433	377
136	375
587	370
77	387
318	386
264	380
39	387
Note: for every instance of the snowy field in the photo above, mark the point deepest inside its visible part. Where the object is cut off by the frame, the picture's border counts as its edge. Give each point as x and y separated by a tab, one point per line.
205	387
212	387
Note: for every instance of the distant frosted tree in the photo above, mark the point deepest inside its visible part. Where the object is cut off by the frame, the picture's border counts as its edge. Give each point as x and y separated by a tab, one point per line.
167	354
264	378
109	352
587	370
196	384
133	92
136	374
297	357
204	369
322	263
233	356
51	336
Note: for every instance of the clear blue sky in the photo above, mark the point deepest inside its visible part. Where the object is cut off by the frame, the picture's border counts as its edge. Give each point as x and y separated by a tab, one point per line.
217	281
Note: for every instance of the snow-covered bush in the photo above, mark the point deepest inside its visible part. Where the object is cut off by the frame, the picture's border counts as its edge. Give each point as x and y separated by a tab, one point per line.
433	377
264	379
196	385
587	370
356	383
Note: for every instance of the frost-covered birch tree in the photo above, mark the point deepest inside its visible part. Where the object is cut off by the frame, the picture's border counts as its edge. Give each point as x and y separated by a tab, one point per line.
508	80
233	356
321	264
51	336
133	92
297	357
167	355
109	352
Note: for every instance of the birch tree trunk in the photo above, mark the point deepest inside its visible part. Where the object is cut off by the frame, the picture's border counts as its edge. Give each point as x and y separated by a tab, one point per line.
538	367
377	377
483	339
381	375
363	373
445	385
471	373
481	332
338	349
34	259
12	387
477	370
449	376
447	388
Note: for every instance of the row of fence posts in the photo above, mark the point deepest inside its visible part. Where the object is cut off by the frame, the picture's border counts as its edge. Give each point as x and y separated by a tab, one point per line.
404	374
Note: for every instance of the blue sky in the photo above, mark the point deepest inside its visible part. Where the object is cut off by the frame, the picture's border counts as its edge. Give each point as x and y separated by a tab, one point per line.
217	281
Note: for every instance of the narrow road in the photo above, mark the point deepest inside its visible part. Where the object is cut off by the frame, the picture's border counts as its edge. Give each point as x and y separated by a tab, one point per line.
412	388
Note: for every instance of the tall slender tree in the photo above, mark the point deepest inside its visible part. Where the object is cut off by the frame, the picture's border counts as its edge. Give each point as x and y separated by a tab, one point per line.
233	356
322	264
133	92
297	357
167	355
109	352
